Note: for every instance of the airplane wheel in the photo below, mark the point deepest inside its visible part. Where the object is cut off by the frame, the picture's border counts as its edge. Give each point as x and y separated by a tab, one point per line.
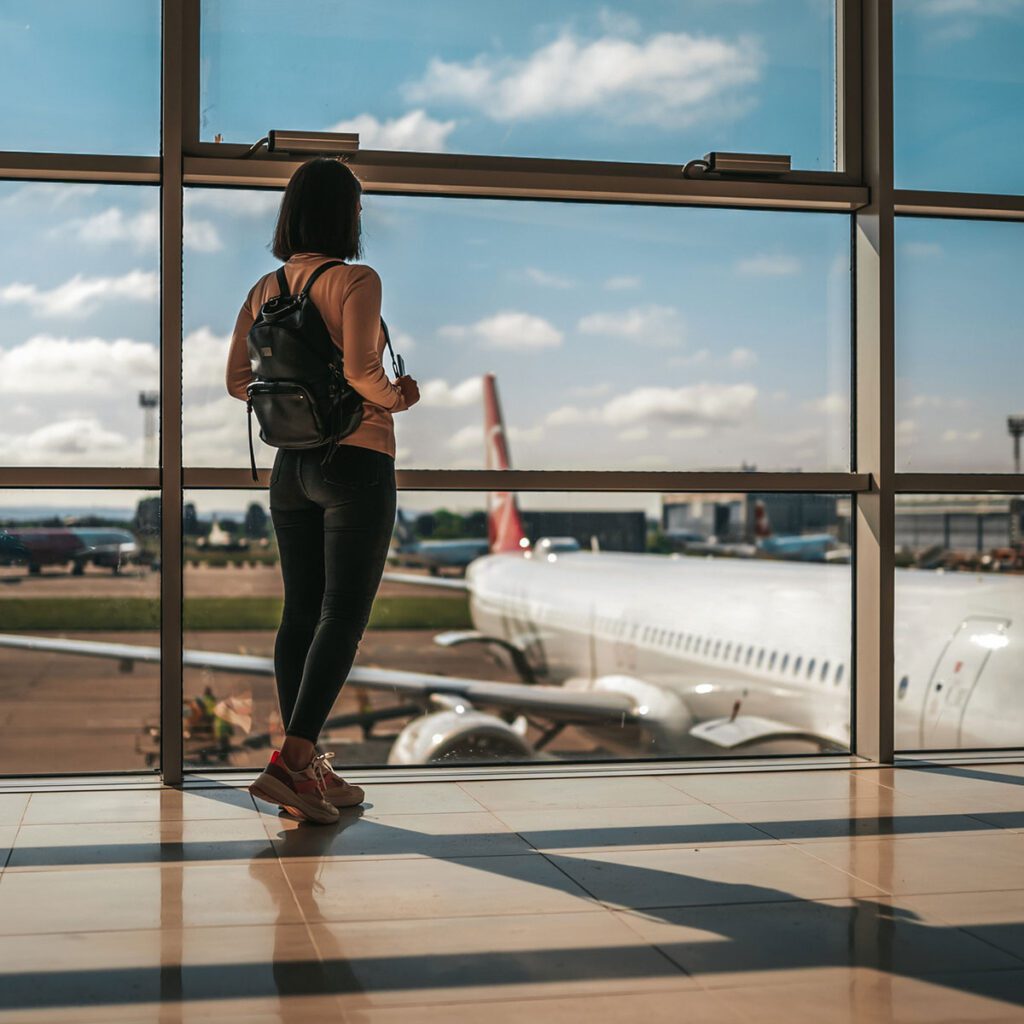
33	569
78	568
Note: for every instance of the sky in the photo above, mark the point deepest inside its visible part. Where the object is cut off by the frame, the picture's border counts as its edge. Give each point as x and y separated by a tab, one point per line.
622	337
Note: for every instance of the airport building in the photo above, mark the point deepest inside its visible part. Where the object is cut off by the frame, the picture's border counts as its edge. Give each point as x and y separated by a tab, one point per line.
681	679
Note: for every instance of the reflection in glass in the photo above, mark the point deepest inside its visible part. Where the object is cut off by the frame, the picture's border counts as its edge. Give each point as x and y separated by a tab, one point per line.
79	631
959	594
81	77
545	626
958	316
654	82
959	96
621	337
79	350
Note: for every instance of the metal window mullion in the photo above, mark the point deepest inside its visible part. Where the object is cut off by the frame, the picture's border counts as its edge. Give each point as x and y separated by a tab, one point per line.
172	23
849	128
874	225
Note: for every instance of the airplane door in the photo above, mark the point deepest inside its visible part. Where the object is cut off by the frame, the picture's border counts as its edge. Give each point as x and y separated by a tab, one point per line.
955	676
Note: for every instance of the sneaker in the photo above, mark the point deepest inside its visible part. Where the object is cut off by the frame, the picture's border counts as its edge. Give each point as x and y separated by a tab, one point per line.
337	791
300	793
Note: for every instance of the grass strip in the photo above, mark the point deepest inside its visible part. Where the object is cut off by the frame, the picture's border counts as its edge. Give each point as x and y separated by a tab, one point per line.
215	613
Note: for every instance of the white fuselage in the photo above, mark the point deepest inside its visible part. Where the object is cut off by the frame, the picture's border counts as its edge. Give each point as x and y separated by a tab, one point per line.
774	636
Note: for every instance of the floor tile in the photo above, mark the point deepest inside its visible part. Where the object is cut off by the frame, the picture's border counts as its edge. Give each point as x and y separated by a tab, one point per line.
12	807
692	1007
592	828
84	899
460	834
7	837
138	805
94	844
417	798
746	787
874	997
711	875
991	786
610	791
763	944
875	813
114	975
476	959
991	860
997	917
377	890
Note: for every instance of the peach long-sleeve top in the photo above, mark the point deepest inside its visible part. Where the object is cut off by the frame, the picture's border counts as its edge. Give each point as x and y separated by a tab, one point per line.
348	300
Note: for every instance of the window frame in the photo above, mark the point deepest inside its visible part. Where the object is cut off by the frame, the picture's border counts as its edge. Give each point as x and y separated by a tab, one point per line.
861	186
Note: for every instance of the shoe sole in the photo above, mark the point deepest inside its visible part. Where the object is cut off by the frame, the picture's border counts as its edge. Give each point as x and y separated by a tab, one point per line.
274	792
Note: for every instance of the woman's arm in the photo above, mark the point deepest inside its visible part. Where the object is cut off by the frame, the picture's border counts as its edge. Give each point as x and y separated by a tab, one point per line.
239	373
360	333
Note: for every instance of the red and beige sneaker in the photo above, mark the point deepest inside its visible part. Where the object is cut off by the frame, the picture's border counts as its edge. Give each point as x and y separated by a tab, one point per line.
300	793
337	791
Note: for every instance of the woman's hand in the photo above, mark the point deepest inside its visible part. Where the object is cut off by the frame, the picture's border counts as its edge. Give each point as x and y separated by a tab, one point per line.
410	390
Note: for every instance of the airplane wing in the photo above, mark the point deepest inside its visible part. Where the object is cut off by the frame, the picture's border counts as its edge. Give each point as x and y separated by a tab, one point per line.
553	702
443	582
743	730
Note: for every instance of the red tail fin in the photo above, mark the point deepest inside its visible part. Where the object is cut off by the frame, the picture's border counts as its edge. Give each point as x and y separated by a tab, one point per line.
504	525
762	524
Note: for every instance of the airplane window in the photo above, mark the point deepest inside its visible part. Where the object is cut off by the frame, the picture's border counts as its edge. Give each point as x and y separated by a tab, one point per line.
796	665
824	671
718	647
901	690
810	668
750	653
679	640
739	652
707	644
760	657
785	663
839	674
771	660
728	651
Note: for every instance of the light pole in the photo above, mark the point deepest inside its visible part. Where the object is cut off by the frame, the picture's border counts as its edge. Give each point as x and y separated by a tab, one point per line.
148	402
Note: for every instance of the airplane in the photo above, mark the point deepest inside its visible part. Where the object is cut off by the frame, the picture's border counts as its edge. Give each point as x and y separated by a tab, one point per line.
105	546
665	655
434	555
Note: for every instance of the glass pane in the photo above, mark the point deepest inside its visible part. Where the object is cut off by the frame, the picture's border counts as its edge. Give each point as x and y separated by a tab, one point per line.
79	350
615	601
80	576
81	77
661	82
958	317
959	95
959	652
620	337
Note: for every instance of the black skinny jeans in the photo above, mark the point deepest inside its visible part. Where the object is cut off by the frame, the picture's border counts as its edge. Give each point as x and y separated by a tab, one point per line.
333	524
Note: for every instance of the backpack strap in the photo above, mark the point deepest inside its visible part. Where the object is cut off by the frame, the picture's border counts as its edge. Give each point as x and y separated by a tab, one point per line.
319	270
282	281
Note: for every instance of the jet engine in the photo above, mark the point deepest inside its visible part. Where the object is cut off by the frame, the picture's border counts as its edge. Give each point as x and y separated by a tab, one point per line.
460	733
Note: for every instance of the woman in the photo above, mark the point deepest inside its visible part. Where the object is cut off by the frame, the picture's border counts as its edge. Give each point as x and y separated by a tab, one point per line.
333	518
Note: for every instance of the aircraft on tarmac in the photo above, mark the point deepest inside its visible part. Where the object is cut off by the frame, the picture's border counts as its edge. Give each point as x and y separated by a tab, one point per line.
35	546
670	656
434	555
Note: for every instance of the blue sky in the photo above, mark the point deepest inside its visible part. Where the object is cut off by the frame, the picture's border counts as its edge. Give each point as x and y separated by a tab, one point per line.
622	337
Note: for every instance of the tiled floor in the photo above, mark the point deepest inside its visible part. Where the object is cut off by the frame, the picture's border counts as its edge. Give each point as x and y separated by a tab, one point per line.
826	896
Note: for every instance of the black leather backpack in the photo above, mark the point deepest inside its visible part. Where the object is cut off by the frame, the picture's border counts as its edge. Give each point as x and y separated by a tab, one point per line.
299	393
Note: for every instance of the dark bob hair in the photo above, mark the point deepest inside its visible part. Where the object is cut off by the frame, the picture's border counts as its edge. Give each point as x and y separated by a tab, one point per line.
320	212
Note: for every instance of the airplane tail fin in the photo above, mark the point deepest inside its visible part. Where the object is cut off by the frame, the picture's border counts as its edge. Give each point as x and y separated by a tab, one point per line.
504	524
403	529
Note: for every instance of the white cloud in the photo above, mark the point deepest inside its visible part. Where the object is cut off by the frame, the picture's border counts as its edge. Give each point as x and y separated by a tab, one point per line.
698	358
45	365
402	341
509	329
770	265
52	195
691	433
954	436
416	131
671	79
81	295
141	230
698	403
471	436
236	202
654	325
635	434
204	357
922	401
832	404
440	393
622	283
546	280
566	415
201	236
742	358
84	438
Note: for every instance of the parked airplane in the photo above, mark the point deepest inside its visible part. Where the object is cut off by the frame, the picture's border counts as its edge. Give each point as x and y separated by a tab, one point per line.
668	655
36	546
435	555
